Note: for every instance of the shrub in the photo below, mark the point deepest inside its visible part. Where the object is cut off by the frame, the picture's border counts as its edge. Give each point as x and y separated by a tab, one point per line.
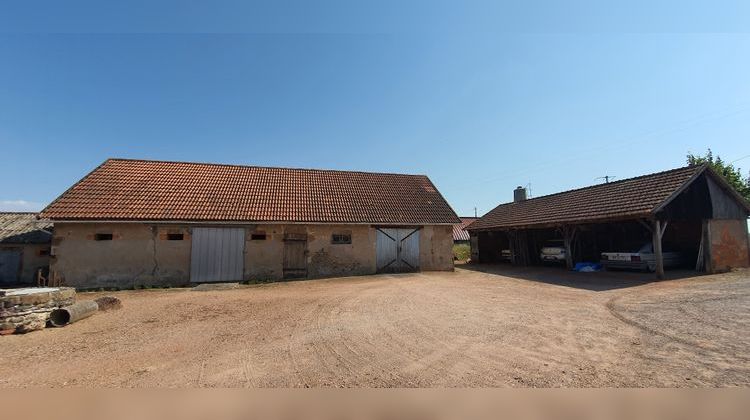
461	252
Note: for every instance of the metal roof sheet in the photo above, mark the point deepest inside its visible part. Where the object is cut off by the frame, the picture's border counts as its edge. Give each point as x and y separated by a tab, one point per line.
459	230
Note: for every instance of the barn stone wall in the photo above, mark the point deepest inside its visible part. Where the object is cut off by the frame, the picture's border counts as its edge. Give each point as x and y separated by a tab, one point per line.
137	255
436	248
728	245
264	259
141	254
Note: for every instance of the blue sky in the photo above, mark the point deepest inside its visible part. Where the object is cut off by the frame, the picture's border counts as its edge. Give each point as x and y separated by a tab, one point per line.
480	96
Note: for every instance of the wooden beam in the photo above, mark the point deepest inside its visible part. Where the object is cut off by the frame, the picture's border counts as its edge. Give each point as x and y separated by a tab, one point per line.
646	225
699	262
569	233
664	228
679	190
657	235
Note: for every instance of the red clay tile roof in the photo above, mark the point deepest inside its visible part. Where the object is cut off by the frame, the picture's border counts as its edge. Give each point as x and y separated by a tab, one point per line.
122	189
634	197
459	229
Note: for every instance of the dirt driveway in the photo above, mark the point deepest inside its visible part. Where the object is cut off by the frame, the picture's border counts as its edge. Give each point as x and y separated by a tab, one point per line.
501	327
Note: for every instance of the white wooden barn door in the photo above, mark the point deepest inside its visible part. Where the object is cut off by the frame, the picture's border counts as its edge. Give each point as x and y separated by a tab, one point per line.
217	254
397	250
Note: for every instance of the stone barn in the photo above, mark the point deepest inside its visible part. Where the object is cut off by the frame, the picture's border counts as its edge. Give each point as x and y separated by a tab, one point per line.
137	223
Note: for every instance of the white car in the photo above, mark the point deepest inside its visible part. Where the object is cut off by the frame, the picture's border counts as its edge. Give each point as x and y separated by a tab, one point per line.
553	251
642	258
505	255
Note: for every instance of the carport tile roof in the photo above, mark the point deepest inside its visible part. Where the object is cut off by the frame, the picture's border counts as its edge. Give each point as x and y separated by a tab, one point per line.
634	197
123	189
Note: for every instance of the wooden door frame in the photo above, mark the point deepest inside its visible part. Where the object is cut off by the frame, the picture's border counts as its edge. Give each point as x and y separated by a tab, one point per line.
294	238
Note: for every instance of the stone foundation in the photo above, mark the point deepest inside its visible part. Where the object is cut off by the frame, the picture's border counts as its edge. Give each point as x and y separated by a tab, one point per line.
24	310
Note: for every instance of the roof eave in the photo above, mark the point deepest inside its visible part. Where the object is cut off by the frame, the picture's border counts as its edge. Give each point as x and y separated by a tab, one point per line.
244	222
587	221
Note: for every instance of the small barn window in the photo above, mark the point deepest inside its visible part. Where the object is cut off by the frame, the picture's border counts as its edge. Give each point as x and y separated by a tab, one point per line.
341	238
258	236
103	237
175	236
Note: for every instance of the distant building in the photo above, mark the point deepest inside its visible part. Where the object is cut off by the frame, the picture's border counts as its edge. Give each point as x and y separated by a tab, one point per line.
24	248
460	234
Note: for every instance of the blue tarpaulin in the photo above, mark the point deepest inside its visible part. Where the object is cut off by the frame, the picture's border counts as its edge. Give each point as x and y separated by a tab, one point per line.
587	267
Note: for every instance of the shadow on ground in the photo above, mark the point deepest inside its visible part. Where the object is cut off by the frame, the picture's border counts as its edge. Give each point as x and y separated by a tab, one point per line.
596	281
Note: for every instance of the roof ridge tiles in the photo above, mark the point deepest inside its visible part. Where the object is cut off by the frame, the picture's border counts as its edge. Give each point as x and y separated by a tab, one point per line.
696	167
237	165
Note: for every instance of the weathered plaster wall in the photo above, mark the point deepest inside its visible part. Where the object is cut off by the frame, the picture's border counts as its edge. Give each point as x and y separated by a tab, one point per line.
32	259
264	258
328	260
436	248
728	245
141	255
138	255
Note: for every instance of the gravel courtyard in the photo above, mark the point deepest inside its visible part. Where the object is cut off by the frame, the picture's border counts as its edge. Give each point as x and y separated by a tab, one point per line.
499	326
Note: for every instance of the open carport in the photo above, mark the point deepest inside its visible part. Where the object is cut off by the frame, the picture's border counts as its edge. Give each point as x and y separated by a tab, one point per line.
688	216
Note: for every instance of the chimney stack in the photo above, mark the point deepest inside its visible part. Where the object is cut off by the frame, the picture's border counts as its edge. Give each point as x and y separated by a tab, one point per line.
519	194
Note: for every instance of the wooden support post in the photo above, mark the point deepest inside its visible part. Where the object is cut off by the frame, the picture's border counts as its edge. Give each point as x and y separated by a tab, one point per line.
523	247
699	264
569	233
658	233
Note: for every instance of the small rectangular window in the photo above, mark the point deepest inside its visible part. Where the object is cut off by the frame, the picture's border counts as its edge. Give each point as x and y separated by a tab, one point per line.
258	236
175	236
103	237
341	238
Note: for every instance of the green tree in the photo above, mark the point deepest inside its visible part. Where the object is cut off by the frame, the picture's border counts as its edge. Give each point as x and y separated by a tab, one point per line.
727	170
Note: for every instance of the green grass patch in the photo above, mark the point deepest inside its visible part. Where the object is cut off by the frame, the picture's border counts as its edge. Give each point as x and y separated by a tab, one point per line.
461	252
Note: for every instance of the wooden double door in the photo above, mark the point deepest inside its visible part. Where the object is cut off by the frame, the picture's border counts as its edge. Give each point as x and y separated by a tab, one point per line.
397	250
